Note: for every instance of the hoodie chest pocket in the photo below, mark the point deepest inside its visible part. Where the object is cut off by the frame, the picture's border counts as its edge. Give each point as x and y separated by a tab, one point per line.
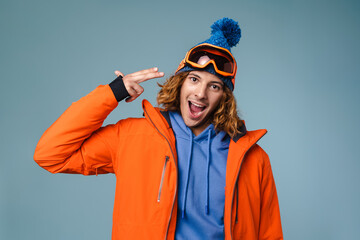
162	177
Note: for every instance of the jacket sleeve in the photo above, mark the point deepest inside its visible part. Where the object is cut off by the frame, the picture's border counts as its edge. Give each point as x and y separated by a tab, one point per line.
76	142
270	221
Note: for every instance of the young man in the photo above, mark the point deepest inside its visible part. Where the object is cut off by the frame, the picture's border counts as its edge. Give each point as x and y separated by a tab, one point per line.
190	170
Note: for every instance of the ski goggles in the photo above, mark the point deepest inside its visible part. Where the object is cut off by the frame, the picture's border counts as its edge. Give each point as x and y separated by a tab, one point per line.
204	54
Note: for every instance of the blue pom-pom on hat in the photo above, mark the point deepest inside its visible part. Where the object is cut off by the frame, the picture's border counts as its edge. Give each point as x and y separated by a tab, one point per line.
225	33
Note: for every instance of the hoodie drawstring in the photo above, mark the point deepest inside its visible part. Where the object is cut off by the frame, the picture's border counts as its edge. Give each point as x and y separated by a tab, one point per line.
207	173
187	176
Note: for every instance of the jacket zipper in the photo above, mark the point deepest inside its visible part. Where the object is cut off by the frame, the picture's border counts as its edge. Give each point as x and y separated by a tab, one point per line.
162	177
172	152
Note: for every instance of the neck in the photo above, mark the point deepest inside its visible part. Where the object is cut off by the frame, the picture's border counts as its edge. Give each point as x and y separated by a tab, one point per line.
199	129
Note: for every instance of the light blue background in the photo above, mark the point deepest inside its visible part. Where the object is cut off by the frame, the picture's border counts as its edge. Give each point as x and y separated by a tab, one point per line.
298	77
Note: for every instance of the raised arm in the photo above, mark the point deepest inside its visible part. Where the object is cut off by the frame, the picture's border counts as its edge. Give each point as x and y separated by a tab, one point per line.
76	142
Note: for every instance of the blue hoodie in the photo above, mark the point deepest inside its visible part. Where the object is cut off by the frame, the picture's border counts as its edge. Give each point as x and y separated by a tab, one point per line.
201	183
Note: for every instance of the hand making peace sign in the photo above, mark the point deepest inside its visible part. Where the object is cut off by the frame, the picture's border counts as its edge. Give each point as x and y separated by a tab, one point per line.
132	81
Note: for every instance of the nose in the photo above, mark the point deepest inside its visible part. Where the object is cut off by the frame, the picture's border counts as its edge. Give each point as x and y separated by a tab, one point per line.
201	91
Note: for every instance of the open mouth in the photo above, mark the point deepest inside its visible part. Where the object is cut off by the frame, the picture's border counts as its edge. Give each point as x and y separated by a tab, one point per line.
196	109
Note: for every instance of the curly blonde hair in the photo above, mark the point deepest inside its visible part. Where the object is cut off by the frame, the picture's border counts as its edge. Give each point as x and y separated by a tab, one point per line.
225	117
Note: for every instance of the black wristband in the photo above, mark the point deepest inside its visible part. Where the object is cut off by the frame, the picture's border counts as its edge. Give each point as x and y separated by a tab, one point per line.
118	88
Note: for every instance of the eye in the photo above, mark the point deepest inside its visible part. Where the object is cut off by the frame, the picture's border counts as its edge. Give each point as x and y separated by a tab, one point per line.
193	79
216	87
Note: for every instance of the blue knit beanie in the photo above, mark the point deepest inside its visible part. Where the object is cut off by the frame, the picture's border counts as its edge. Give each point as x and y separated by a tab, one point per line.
225	33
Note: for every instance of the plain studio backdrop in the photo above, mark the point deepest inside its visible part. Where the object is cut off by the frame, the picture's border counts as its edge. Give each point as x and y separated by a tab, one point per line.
298	77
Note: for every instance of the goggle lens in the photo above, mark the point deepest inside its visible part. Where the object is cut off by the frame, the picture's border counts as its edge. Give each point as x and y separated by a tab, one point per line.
203	56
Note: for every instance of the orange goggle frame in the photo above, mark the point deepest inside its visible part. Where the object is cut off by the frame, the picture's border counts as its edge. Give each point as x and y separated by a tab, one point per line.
223	61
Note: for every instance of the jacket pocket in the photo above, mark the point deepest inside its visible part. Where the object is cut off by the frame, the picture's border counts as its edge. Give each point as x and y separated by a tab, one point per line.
162	178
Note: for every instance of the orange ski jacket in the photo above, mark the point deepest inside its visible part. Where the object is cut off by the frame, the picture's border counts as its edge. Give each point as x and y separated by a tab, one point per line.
142	154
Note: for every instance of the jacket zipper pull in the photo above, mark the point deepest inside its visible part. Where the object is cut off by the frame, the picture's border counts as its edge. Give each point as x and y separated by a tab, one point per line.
162	177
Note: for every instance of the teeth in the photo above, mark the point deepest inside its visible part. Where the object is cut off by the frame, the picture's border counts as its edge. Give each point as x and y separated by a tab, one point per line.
196	104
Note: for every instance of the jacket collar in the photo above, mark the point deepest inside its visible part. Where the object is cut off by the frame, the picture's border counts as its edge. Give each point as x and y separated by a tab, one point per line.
166	115
161	120
154	116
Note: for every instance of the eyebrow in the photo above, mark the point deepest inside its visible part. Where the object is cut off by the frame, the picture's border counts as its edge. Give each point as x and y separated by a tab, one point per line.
221	82
194	75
